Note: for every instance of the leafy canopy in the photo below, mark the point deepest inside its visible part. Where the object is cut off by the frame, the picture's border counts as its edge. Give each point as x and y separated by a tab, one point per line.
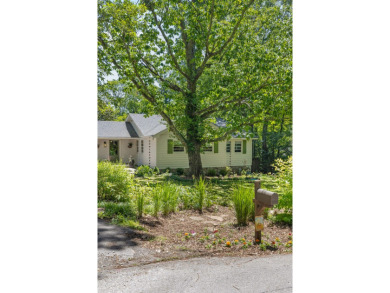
229	59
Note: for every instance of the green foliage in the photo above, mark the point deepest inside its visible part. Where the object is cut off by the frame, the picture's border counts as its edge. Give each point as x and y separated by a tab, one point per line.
200	187
283	218
114	182
186	197
223	172
156	170
140	200
126	222
145	171
179	171
226	59
112	209
156	197
211	172
116	100
169	198
284	176
243	202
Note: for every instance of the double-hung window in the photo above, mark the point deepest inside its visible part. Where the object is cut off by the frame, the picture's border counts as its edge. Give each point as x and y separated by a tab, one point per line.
178	147
237	147
228	146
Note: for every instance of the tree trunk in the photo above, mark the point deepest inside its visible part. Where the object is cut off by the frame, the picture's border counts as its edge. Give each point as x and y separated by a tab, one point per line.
264	150
195	161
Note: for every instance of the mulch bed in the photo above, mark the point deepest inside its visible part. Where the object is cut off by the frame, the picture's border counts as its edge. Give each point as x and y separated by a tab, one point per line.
207	235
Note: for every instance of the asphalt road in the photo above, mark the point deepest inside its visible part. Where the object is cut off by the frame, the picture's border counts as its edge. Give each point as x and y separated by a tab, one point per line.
226	274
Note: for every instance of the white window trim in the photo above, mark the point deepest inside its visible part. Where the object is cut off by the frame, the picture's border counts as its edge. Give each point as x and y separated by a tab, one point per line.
178	144
237	143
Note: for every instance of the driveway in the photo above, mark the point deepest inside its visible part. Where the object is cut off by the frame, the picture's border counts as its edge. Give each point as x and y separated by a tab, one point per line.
118	249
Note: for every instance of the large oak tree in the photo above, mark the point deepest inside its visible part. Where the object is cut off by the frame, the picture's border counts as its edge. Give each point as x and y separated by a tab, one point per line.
195	61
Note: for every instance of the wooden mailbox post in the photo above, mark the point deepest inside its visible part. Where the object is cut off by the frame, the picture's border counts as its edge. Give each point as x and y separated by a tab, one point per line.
263	199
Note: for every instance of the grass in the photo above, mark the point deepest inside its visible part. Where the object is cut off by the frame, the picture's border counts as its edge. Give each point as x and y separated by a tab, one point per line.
122	214
243	202
168	198
219	191
200	187
162	193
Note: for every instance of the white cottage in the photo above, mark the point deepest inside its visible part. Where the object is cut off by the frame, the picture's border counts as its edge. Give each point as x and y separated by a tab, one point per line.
147	141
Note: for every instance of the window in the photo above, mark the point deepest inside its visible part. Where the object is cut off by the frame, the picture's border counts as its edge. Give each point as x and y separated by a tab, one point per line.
207	148
237	147
178	147
142	146
228	145
137	146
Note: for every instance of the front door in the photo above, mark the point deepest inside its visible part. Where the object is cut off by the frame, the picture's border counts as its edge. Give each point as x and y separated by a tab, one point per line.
114	150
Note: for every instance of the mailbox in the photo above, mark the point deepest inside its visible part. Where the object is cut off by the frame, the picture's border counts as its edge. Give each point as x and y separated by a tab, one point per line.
263	199
267	198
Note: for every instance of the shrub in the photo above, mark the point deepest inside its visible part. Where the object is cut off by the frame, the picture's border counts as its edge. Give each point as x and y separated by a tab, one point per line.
243	202
229	171
211	172
283	218
179	171
156	170
186	197
144	170
200	187
168	198
223	172
114	182
284	179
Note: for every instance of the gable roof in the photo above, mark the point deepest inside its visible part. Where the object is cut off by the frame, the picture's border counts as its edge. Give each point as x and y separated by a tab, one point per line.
115	129
147	125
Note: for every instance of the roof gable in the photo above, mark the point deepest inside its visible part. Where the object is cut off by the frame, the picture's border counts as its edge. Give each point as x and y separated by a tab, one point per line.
116	129
148	126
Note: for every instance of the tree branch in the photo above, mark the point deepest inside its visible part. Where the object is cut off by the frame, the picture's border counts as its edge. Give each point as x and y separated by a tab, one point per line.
167	42
234	30
231	131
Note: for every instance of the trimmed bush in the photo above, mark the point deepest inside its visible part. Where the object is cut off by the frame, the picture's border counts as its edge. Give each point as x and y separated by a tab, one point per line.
114	182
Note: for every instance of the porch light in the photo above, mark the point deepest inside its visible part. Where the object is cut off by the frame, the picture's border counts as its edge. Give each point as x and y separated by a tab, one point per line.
98	145
130	145
105	144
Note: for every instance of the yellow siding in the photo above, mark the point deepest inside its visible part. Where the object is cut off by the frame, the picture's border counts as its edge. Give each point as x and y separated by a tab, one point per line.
209	159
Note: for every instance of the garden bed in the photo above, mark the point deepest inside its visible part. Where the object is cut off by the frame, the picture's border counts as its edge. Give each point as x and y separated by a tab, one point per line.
189	233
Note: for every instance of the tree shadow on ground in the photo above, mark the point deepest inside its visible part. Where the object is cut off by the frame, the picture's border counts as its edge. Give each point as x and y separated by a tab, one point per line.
116	238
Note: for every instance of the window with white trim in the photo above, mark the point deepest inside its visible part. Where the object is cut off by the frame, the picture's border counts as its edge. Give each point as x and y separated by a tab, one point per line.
207	148
142	146
137	146
228	146
178	147
237	147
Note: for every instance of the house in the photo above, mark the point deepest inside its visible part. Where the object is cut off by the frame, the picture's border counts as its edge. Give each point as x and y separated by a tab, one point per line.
144	140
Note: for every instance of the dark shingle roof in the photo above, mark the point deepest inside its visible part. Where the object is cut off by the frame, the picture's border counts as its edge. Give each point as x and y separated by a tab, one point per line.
115	129
148	125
